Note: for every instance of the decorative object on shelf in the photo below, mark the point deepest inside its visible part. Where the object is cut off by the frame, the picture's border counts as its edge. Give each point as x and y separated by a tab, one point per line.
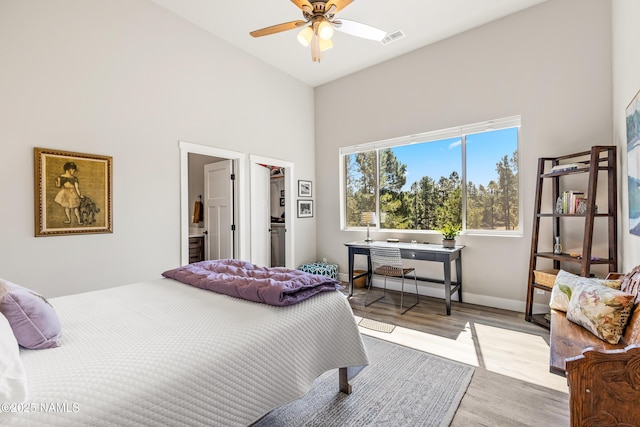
304	189
633	163
368	218
305	208
557	247
559	206
449	233
575	253
72	193
581	206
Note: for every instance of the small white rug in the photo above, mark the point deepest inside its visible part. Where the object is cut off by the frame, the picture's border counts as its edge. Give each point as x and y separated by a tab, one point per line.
374	325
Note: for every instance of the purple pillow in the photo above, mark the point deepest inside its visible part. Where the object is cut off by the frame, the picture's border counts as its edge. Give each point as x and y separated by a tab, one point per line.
33	320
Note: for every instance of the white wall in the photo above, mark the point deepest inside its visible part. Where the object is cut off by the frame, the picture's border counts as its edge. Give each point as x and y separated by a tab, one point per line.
626	83
127	79
550	63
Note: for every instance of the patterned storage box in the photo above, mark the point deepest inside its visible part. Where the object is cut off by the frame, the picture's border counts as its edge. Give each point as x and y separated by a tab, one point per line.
330	270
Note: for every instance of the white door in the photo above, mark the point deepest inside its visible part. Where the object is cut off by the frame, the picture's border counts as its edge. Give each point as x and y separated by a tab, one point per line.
260	219
218	210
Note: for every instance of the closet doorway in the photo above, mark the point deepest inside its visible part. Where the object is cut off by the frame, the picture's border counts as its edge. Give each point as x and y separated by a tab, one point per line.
219	214
270	222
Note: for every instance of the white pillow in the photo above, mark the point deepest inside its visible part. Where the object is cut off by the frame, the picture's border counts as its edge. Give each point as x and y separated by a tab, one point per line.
13	379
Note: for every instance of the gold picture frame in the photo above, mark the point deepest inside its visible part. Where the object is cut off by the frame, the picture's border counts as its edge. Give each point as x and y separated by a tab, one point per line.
73	193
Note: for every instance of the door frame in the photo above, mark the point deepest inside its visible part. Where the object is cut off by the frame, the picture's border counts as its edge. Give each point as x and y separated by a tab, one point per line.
289	200
241	251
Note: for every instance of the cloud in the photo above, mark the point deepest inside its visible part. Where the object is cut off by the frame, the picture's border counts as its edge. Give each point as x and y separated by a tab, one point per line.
455	143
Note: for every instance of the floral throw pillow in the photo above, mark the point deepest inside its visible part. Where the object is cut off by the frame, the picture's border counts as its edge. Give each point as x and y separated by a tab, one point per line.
601	310
566	282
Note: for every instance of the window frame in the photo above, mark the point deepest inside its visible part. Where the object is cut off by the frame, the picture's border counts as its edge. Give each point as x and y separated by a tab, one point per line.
454	132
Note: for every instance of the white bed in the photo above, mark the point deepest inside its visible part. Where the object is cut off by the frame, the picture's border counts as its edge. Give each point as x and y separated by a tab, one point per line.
165	353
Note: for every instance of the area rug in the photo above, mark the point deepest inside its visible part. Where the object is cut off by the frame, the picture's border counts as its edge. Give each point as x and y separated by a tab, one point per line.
401	387
374	325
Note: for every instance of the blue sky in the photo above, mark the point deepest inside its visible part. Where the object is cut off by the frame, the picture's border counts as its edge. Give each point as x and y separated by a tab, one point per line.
440	158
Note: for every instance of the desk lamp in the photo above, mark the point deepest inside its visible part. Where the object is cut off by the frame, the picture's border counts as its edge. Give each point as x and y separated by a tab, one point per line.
369	218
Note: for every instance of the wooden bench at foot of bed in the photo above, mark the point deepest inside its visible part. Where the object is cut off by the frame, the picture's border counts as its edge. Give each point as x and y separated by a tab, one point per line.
603	379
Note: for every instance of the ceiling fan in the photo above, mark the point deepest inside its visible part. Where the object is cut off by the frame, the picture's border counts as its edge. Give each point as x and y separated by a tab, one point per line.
319	22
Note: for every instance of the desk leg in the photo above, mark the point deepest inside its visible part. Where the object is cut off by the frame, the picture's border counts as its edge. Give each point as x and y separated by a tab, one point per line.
447	285
459	276
350	272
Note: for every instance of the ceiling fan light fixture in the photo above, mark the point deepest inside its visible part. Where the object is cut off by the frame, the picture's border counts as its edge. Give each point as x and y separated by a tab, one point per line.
305	36
325	30
319	25
325	45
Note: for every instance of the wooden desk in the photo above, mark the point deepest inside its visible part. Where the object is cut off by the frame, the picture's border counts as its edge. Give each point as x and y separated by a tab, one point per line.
417	251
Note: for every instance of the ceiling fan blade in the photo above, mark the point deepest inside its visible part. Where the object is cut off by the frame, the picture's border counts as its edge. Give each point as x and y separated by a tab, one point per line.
277	28
359	30
339	4
302	3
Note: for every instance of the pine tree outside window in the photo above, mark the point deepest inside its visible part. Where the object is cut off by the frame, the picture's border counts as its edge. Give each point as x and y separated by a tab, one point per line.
465	176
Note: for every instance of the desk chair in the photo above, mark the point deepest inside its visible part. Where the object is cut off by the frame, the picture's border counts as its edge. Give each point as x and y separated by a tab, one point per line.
387	262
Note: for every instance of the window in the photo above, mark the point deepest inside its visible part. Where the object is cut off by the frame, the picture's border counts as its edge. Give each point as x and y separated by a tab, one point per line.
466	176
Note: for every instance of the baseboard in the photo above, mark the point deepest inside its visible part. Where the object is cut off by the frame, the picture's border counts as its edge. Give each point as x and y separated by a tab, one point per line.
436	291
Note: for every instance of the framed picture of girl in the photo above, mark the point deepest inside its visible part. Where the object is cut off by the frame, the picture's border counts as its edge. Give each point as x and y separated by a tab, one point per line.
73	193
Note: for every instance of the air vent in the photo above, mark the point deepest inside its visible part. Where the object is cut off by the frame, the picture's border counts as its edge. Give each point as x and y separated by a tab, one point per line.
392	37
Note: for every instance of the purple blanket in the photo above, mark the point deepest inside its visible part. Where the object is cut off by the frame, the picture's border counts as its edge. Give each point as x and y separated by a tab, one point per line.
241	279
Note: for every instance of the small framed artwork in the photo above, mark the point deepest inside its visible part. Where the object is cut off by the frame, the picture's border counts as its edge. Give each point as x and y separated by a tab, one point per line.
304	189
281	193
305	208
281	201
73	193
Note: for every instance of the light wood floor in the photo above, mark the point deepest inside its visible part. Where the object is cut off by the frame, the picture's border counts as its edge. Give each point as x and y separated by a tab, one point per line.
511	385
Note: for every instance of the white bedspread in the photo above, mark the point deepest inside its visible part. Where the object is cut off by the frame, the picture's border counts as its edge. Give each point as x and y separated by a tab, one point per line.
164	353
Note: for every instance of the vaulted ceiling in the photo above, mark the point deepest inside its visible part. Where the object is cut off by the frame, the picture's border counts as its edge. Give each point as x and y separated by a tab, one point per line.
422	21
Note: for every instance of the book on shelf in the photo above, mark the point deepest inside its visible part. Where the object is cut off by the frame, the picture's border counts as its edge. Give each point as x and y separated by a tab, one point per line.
565	167
571	202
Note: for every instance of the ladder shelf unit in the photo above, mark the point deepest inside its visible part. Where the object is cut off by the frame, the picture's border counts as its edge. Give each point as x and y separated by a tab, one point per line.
595	164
